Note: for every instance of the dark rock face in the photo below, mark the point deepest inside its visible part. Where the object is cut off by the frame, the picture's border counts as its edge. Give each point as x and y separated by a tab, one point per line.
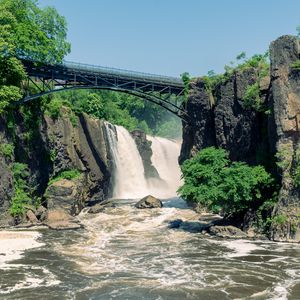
83	148
144	148
285	123
148	202
57	146
236	128
199	132
221	120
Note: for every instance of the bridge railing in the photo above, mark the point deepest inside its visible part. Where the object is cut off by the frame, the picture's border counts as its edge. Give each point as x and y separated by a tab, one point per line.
122	73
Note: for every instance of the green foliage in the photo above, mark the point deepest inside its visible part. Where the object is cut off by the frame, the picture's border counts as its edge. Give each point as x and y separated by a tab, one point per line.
296	171
223	186
296	65
21	198
252	98
186	78
27	32
68	174
284	158
257	61
7	150
31	32
279	219
117	108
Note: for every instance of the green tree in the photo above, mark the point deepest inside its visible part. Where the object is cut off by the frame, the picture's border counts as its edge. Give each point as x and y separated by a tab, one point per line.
27	32
211	179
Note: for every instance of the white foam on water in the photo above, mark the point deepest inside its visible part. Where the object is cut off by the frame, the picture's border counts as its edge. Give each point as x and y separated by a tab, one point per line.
31	280
14	243
281	290
240	247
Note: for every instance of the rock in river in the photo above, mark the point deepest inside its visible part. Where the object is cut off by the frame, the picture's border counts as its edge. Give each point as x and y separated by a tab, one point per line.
149	202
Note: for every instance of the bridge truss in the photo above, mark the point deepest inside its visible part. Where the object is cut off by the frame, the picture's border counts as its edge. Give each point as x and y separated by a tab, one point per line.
165	91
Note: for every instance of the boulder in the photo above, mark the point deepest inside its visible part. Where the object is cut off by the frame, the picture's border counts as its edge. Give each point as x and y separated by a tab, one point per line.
175	223
100	207
41	210
58	219
227	232
148	202
30	216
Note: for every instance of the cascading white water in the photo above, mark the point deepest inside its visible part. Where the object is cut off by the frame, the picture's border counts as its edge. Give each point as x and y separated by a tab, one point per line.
165	159
129	180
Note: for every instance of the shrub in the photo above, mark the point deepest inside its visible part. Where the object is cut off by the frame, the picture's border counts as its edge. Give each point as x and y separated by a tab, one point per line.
211	179
296	65
7	150
252	98
68	174
21	198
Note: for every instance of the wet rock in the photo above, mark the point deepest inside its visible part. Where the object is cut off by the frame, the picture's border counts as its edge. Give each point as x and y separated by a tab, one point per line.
175	223
100	207
227	232
144	148
41	210
58	219
194	226
30	216
148	202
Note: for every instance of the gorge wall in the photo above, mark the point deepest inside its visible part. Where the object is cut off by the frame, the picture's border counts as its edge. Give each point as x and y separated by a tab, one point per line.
50	147
219	118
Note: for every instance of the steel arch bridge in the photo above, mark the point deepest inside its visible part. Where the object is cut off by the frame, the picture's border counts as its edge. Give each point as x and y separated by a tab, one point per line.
168	92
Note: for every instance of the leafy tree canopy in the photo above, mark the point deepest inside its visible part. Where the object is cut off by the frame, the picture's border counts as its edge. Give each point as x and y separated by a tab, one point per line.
27	32
211	179
30	32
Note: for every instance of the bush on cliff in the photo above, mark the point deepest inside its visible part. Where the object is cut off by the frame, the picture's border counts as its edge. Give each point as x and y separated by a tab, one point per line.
231	188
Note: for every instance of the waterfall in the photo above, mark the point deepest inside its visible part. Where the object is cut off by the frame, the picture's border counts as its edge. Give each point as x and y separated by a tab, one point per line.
165	160
129	181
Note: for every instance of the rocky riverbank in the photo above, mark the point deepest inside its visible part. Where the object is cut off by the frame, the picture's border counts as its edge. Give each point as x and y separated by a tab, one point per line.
219	117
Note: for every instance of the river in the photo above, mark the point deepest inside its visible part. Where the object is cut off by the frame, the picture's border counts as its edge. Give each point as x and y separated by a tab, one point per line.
129	253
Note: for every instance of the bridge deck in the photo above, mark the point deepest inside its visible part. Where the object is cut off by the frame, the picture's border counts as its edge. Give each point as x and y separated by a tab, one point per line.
97	75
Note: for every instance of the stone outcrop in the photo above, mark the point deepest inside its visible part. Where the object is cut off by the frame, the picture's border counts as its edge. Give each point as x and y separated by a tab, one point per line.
149	202
50	147
285	123
81	147
144	148
218	118
199	132
227	232
236	128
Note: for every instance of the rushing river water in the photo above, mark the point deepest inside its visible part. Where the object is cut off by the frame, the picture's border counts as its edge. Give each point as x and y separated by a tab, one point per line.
127	253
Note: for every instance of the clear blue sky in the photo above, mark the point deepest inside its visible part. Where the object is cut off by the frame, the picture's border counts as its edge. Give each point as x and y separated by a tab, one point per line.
173	36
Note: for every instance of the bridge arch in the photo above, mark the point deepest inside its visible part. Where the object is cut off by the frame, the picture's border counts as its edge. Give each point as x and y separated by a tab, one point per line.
165	91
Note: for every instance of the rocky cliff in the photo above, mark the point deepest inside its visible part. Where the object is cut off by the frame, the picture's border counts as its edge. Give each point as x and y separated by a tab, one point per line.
219	118
285	129
49	148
